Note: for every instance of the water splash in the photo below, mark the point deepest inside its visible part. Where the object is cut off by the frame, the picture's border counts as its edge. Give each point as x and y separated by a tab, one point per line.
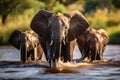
72	65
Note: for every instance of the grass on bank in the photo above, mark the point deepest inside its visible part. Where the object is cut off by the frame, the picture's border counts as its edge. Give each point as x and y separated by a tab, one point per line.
114	34
20	22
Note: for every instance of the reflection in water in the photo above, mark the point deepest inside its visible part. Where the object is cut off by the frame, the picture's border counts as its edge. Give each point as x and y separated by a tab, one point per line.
60	70
108	69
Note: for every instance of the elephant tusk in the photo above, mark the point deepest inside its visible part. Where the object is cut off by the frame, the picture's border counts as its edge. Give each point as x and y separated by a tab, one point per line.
51	43
64	42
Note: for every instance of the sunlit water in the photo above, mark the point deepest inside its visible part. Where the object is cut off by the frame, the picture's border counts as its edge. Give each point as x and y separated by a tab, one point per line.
11	68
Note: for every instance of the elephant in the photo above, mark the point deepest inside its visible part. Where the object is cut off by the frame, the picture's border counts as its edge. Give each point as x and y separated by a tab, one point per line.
57	33
92	44
28	44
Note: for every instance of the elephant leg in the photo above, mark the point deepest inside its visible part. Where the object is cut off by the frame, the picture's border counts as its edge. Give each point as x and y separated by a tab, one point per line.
84	49
23	55
68	52
101	56
83	53
101	52
72	47
35	53
32	55
93	53
44	47
89	55
92	56
98	57
39	52
62	55
45	52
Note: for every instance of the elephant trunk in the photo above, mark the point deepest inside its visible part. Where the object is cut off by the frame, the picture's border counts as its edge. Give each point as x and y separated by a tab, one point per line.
56	45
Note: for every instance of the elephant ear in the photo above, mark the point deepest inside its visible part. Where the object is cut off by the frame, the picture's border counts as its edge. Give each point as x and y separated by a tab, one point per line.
14	38
39	22
78	24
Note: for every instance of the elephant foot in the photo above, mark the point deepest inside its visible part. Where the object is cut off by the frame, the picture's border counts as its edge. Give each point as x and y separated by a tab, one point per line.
86	60
53	63
57	64
80	60
24	61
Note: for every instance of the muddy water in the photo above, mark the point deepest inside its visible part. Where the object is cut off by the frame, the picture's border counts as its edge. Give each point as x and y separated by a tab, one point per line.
12	69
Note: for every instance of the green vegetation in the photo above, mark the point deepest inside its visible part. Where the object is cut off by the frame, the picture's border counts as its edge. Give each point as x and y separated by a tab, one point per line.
114	34
17	14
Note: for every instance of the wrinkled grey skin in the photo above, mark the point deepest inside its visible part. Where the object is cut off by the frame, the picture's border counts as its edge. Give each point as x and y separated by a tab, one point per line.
92	44
58	33
28	44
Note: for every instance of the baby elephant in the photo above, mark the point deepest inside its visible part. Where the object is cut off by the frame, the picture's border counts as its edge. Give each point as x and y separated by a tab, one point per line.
28	44
92	44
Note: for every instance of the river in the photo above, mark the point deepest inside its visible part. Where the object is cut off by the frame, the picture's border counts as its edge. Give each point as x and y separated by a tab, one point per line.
12	69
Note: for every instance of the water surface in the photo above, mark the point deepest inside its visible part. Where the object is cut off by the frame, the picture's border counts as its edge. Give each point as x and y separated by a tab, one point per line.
12	69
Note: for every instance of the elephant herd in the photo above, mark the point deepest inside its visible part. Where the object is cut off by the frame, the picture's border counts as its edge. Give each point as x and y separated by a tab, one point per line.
57	35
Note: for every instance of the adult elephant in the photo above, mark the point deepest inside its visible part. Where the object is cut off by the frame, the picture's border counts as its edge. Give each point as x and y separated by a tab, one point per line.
92	44
58	32
28	44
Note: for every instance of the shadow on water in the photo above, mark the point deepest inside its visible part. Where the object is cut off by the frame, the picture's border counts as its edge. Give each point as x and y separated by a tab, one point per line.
60	70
